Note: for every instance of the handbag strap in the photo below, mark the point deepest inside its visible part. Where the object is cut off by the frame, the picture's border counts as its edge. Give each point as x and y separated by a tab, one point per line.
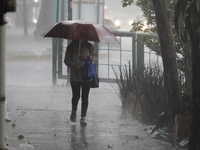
88	59
90	52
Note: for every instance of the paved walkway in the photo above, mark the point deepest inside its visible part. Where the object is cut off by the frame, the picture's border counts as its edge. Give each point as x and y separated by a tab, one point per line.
40	112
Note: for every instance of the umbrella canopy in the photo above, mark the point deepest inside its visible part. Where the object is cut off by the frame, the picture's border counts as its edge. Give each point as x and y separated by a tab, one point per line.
80	30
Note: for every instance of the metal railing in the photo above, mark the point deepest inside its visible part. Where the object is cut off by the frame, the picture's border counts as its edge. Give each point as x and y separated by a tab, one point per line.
130	49
110	56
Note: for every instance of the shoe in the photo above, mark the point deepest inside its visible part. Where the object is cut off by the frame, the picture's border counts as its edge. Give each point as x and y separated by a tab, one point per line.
73	116
83	122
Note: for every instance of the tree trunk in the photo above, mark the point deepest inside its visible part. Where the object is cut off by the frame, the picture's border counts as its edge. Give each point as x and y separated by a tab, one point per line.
45	19
194	141
169	59
25	21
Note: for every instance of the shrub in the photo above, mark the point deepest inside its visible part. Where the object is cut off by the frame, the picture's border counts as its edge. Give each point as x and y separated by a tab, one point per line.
142	92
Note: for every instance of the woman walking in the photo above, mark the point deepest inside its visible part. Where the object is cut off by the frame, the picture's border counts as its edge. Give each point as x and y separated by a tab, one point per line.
74	58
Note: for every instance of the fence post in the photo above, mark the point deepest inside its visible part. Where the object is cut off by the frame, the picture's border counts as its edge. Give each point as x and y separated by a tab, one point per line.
54	61
140	52
5	6
2	85
134	52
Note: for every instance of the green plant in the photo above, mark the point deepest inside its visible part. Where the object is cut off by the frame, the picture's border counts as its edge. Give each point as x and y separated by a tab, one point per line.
177	17
13	125
20	137
148	87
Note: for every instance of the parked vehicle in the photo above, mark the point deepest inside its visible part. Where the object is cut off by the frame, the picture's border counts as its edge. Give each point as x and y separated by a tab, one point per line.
110	25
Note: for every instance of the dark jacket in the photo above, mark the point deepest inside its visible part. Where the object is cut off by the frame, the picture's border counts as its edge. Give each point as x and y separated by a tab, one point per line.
72	60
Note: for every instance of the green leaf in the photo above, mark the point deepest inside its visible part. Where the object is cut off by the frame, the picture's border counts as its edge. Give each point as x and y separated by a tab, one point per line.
20	137
13	125
136	137
124	4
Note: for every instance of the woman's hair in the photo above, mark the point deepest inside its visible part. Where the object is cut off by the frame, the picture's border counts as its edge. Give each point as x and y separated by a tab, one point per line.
76	42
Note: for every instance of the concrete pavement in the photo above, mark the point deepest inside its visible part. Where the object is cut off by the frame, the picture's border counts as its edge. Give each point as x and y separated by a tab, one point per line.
41	116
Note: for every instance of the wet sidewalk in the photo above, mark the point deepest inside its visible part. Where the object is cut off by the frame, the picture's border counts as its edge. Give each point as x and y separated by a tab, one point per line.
41	116
40	113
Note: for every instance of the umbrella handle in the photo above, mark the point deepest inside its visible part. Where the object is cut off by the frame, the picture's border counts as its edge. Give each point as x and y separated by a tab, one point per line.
79	49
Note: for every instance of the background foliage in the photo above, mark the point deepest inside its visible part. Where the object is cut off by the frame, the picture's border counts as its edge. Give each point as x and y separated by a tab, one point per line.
148	83
183	49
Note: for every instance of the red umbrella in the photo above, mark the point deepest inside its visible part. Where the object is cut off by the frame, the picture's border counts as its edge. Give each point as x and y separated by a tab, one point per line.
80	30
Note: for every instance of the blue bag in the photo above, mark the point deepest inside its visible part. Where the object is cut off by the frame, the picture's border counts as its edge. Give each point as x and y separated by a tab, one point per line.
88	69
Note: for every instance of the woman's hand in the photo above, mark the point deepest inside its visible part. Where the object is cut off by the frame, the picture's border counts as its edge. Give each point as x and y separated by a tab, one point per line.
82	58
77	67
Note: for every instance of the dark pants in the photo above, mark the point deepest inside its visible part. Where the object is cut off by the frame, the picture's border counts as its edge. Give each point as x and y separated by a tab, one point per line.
76	89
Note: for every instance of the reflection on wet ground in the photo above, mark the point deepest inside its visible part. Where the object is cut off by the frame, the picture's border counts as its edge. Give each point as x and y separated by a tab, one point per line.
78	138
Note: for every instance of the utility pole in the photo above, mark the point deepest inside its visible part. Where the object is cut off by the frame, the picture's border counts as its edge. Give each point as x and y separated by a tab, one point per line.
5	6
